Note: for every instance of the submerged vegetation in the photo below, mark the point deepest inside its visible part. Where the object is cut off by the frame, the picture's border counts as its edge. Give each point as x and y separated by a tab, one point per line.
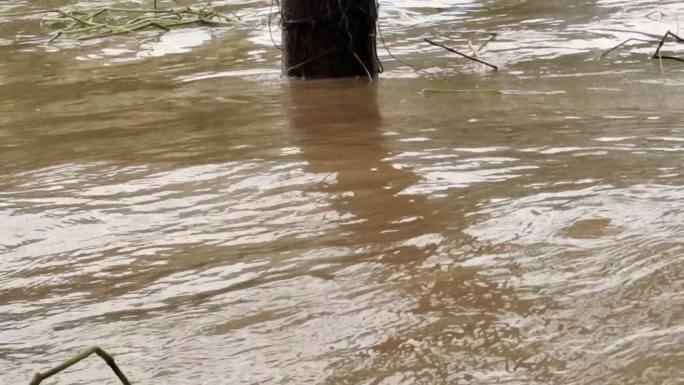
96	23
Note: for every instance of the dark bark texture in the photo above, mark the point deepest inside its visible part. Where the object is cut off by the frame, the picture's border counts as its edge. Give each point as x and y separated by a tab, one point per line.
329	38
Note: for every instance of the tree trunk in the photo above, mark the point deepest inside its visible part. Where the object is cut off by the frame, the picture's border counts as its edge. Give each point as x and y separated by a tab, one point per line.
329	38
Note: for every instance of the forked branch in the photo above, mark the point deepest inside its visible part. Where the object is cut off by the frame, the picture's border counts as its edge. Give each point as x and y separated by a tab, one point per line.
657	54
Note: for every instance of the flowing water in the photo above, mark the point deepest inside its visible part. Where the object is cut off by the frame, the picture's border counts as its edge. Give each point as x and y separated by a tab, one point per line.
172	199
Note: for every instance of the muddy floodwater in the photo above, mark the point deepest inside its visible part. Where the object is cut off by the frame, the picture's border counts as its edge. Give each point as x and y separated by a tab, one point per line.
171	198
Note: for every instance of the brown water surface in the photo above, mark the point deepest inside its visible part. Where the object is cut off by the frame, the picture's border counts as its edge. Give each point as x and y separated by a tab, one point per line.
169	197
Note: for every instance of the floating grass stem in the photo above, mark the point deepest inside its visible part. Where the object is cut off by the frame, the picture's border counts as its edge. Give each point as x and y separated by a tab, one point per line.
39	377
104	22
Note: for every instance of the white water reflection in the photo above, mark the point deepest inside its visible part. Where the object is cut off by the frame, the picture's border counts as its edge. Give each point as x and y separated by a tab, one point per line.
174	42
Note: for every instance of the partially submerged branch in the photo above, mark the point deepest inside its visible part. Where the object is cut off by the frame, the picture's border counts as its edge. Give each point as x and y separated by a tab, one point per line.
657	54
39	377
495	68
606	53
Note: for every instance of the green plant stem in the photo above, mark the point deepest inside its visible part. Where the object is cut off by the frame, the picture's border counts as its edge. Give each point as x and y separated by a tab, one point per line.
85	29
78	19
84	22
39	377
140	10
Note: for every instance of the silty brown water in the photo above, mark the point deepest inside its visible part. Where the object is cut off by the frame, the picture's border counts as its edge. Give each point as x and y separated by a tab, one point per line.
170	198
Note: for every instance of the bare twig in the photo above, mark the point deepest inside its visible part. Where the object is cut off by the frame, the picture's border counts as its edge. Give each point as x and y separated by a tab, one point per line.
651	35
657	54
603	55
39	377
53	38
495	68
384	44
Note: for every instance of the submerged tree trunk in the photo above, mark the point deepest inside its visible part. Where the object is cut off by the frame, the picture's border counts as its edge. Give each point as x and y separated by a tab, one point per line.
329	38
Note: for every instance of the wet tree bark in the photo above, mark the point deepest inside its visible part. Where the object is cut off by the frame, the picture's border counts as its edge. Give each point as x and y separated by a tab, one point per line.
329	38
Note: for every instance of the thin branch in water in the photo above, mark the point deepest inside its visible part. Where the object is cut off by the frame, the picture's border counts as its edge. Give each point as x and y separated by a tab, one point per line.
603	55
270	28
662	42
370	77
39	377
679	59
384	44
57	35
651	35
495	68
97	13
657	54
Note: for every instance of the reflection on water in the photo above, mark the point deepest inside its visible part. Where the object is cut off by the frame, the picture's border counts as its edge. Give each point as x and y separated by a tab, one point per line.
170	198
338	134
